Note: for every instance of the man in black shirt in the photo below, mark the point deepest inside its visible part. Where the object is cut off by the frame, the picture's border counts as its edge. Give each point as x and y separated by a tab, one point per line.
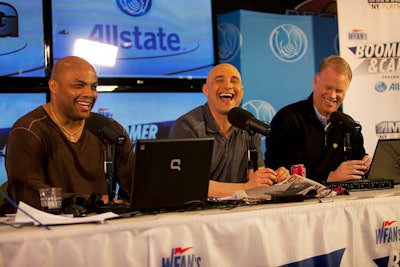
301	132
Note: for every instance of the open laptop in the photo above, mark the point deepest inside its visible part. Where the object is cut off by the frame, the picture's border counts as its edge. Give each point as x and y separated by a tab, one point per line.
171	174
386	161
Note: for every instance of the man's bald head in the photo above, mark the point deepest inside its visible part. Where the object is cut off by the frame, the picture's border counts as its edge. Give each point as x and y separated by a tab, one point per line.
70	64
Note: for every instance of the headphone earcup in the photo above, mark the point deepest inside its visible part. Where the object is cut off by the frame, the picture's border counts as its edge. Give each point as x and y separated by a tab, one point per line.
95	201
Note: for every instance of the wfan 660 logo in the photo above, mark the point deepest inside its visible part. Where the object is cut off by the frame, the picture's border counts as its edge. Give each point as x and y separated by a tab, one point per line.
135	8
181	257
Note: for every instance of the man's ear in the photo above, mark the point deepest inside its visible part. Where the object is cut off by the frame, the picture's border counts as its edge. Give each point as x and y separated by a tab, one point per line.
205	89
52	86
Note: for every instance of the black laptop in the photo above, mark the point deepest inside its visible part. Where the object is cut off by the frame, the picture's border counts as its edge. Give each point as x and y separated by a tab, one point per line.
386	161
171	174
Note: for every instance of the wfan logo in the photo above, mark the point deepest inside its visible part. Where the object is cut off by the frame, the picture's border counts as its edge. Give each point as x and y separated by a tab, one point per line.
229	41
105	112
388	233
357	35
181	257
135	8
288	43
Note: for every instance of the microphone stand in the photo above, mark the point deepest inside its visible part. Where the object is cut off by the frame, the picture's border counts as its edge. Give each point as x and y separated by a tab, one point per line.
252	153
109	169
253	158
347	147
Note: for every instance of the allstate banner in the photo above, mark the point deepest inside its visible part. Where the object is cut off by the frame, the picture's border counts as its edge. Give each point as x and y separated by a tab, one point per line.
370	41
275	55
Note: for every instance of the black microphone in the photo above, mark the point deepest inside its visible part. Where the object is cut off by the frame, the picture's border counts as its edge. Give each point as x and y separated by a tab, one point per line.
341	119
246	121
104	128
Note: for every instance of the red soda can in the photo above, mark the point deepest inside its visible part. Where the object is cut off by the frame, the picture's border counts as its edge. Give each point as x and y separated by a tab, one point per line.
298	169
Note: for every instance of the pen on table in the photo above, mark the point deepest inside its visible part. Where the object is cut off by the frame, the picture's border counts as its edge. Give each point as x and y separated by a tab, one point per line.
23	211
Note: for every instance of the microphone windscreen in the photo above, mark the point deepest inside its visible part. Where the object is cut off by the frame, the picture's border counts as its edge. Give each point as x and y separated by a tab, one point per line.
339	118
239	117
104	129
96	122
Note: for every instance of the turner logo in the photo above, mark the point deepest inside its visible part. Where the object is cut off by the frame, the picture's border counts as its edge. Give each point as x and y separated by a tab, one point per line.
387	233
135	8
288	43
181	257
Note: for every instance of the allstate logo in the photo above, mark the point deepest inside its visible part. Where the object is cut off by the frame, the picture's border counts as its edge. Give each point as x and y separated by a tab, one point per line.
135	8
229	41
380	86
288	42
262	110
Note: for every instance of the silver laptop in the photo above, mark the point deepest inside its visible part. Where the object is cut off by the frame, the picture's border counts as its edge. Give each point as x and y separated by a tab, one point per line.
386	161
171	174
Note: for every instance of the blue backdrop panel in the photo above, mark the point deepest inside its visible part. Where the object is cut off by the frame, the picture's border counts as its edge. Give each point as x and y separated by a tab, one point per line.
277	55
326	38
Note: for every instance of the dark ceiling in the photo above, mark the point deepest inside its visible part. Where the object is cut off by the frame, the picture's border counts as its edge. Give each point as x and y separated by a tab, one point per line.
318	7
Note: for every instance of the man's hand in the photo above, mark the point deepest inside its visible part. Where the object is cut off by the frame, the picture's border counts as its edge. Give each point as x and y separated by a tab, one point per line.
262	177
367	161
266	177
350	170
282	173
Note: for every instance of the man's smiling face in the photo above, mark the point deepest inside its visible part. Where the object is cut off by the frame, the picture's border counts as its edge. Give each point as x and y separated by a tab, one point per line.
329	90
224	89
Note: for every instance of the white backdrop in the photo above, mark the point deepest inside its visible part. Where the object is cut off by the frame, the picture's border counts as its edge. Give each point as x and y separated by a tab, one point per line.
370	41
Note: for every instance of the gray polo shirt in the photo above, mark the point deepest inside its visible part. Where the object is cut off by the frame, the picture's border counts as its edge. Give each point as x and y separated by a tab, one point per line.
230	156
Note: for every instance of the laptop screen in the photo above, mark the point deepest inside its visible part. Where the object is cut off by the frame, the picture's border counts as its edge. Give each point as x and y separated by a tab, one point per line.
386	161
170	174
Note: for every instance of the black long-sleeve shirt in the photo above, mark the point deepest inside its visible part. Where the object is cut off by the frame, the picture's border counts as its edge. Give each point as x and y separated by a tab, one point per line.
298	137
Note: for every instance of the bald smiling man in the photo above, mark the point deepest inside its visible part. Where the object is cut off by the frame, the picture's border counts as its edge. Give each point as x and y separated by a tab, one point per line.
52	145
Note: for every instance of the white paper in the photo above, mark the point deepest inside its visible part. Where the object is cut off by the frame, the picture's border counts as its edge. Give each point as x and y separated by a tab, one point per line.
40	217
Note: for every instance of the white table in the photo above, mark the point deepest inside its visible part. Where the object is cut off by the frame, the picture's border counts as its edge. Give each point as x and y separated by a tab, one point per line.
355	230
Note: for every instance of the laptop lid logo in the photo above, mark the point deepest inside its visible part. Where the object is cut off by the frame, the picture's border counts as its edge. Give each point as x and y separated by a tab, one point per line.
175	164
